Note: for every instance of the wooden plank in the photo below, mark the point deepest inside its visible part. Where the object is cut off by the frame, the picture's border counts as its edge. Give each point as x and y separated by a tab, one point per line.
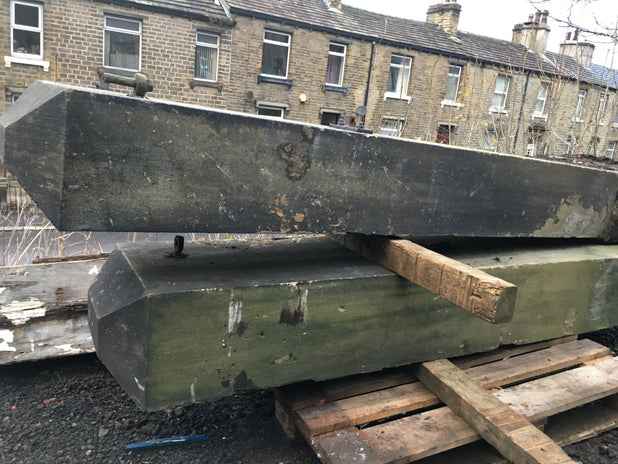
486	296
309	393
431	432
566	428
43	310
278	175
505	352
509	432
360	409
588	383
66	259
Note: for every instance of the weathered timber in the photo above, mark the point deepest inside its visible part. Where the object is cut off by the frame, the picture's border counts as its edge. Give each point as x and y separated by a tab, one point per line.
438	430
569	427
411	396
479	293
96	160
237	315
509	432
43	310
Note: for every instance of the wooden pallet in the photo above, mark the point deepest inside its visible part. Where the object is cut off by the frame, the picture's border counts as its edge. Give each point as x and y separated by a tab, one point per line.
390	417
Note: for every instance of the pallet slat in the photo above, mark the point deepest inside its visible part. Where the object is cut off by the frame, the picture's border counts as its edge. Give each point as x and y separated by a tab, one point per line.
431	432
565	429
509	432
372	406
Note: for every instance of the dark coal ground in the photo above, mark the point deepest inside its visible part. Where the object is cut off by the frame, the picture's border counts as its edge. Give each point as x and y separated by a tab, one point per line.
71	410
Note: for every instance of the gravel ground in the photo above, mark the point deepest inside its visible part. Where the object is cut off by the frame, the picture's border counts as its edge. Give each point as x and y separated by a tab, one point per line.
71	410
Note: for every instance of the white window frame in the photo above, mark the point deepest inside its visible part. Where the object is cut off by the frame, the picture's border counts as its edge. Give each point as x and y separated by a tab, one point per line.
406	69
26	58
199	43
286	45
579	106
452	78
503	95
398	126
541	97
611	149
340	55
616	119
271	106
138	33
602	105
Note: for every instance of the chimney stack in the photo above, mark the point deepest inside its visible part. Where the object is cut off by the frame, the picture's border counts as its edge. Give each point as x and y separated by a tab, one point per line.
446	15
333	4
581	51
534	33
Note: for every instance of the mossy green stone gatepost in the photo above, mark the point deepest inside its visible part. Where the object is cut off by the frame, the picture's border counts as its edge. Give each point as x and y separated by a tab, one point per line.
255	314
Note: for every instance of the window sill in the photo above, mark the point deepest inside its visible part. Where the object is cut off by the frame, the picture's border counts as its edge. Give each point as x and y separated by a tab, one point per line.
444	103
336	88
498	110
539	116
577	120
275	80
211	84
9	60
396	96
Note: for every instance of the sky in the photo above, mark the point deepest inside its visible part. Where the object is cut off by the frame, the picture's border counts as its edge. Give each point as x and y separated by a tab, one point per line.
496	18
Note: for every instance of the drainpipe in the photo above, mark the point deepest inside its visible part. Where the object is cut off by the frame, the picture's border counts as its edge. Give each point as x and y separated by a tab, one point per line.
373	47
521	109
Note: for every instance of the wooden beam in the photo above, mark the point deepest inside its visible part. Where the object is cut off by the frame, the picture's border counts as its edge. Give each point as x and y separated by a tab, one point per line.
486	296
420	435
567	428
358	409
509	432
172	167
43	309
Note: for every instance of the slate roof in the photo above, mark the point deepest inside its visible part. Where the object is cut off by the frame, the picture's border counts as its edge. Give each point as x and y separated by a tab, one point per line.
200	9
416	35
605	76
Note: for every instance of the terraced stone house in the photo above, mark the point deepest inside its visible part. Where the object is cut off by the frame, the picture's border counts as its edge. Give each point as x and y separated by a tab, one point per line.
322	62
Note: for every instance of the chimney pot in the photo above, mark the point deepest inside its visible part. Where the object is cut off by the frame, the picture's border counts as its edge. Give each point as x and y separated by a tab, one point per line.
544	16
533	34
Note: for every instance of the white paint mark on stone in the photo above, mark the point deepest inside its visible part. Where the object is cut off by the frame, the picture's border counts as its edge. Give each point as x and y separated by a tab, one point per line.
304	309
94	270
139	385
235	315
6	337
20	312
192	390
